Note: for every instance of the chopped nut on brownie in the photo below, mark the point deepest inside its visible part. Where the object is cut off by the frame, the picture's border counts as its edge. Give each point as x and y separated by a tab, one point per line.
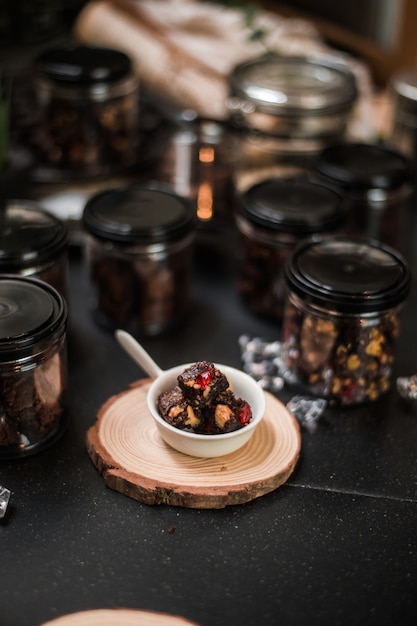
230	412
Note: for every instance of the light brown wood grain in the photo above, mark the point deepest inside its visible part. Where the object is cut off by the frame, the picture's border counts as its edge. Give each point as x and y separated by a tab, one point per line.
128	451
119	617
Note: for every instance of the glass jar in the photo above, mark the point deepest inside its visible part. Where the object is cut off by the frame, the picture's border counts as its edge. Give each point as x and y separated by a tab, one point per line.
33	365
341	319
89	102
34	243
197	165
139	252
289	107
272	217
402	131
376	181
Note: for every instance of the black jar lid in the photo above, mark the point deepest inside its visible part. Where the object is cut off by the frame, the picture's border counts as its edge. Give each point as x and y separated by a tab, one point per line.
138	215
83	65
29	236
363	166
293	205
348	276
31	312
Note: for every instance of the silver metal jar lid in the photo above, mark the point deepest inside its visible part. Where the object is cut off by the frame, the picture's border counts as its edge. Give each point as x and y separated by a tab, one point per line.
292	86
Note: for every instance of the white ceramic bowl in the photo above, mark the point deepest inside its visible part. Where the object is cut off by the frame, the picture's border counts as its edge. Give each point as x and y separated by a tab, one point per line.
194	444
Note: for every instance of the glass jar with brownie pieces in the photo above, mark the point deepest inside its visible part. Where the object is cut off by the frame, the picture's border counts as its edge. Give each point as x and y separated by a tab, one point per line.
33	365
34	243
139	250
89	113
272	217
342	317
376	181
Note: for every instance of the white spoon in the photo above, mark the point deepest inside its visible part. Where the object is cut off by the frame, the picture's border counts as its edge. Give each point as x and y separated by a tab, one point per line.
138	353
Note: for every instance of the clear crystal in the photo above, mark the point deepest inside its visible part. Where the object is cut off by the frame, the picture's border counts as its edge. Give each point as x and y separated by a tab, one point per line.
307	410
407	387
263	361
243	341
276	384
4	500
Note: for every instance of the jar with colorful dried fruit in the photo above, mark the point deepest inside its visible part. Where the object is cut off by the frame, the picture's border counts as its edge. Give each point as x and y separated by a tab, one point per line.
342	317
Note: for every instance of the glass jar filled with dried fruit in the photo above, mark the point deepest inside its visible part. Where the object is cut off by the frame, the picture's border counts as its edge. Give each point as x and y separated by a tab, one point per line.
139	252
34	243
33	365
89	110
342	317
272	217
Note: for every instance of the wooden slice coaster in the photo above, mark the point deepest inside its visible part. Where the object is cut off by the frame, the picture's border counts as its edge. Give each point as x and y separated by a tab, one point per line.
121	617
127	449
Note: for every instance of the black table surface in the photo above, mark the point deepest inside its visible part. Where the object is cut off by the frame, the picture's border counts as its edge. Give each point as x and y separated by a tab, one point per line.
337	544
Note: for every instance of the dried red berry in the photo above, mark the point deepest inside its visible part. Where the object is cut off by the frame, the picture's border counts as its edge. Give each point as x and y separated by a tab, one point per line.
205	377
244	414
349	392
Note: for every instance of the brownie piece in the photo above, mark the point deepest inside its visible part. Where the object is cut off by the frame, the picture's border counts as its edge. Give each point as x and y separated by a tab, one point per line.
115	286
8	433
228	412
175	410
148	293
32	404
202	382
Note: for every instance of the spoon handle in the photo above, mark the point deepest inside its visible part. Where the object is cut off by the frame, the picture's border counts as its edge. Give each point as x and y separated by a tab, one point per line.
138	353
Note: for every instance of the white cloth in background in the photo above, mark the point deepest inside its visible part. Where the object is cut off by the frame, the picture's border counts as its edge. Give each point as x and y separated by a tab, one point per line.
184	49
